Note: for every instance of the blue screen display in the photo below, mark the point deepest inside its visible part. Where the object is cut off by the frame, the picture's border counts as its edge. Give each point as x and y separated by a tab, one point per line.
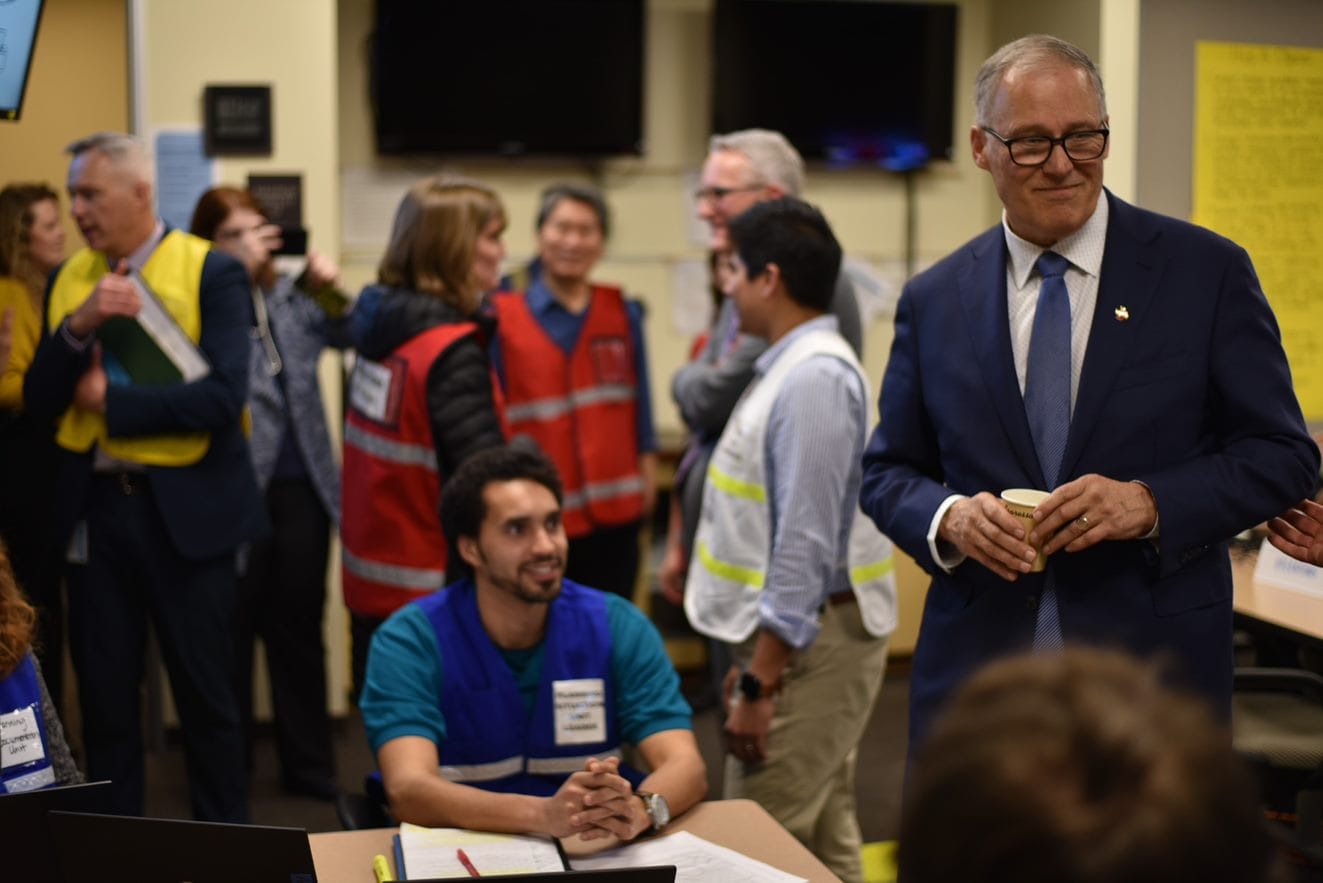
18	31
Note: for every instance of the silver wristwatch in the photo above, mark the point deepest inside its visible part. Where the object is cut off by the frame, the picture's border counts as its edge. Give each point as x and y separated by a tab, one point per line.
658	810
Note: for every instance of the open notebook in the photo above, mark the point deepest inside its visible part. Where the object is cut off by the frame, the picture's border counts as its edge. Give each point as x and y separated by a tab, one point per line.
430	854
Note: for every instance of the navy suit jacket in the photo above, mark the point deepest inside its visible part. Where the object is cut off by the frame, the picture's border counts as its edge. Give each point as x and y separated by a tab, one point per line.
212	506
1190	394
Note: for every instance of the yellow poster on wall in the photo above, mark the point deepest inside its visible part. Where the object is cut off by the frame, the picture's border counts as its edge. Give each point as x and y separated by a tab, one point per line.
1258	179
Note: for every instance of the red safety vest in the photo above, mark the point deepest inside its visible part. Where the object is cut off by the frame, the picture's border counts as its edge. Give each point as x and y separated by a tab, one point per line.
393	548
580	409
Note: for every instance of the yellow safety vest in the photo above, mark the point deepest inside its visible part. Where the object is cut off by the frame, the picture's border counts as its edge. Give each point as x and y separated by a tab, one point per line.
734	540
174	274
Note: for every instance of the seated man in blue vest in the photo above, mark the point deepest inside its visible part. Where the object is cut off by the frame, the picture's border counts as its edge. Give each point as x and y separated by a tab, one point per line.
500	702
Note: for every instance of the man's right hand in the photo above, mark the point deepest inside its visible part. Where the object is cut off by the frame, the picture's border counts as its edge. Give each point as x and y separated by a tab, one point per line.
980	528
671	576
114	295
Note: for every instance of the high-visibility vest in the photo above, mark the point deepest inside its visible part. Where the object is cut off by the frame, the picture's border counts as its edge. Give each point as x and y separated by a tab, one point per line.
581	409
174	275
23	743
731	552
491	741
393	548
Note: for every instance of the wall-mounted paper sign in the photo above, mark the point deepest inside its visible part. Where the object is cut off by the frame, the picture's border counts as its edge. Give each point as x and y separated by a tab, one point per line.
238	120
281	196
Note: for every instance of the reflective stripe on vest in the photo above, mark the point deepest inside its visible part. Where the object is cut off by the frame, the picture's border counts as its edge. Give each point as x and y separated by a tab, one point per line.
551	408
401	452
729	562
416	579
602	490
174	274
512	766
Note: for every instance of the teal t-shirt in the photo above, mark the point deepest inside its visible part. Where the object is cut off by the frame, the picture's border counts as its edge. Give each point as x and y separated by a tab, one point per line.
404	678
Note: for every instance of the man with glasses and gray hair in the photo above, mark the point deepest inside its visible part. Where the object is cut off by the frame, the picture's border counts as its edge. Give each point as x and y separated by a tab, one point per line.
1125	362
742	169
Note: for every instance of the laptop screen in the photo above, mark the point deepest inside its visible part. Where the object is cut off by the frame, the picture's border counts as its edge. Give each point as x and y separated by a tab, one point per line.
96	848
23	821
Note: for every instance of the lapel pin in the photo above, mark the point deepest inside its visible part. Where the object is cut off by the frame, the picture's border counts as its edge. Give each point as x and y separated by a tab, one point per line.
1121	313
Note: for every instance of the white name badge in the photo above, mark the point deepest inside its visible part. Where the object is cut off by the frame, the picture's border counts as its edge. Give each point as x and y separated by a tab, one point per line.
20	738
370	389
1285	572
580	711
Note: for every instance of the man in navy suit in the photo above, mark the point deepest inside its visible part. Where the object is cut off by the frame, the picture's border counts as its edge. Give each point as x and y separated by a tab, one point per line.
157	475
1177	427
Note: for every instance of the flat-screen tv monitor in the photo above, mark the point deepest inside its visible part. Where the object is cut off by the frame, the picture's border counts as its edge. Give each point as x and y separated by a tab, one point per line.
852	82
18	33
508	77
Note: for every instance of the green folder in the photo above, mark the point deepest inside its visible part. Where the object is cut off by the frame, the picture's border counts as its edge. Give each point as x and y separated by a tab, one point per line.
151	348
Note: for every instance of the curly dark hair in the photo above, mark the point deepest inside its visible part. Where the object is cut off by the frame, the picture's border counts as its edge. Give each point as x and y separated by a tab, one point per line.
17	618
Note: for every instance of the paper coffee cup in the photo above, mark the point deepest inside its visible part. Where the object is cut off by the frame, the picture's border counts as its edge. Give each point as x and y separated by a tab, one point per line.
1021	502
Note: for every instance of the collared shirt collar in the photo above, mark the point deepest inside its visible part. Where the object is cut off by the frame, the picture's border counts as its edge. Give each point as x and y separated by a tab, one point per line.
138	258
539	298
826	322
1083	248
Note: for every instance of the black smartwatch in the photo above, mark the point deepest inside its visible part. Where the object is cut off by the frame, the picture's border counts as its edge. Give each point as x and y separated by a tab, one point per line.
658	809
753	689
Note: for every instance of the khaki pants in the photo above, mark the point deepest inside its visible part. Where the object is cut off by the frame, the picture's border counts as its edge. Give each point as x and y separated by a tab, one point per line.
807	780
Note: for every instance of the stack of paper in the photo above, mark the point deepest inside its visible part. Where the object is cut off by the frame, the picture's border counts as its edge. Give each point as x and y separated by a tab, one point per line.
696	860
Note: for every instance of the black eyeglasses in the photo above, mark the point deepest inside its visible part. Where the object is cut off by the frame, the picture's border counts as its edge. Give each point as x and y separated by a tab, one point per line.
716	194
1034	150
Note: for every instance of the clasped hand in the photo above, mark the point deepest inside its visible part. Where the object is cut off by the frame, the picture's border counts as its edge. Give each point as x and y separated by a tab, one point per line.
596	802
1077	515
114	295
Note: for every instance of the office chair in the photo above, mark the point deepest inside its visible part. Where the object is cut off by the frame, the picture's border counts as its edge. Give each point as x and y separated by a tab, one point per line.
370	810
1277	725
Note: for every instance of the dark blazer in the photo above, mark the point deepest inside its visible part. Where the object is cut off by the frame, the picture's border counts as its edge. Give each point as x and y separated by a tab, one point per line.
208	508
1190	394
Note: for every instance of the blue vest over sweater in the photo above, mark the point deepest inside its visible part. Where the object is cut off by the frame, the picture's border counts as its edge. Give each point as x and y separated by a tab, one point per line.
491	741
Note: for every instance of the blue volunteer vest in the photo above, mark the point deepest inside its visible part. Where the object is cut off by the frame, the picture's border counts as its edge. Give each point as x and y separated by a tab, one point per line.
491	742
25	757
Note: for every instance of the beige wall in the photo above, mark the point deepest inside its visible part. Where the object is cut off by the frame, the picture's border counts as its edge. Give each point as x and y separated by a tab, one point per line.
1170	29
88	37
649	193
291	45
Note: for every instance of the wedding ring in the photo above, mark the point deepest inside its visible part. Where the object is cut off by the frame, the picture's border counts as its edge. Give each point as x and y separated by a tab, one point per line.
1082	522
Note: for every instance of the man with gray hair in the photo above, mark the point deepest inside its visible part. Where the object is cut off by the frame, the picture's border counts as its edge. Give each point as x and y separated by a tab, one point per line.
157	488
1125	362
742	169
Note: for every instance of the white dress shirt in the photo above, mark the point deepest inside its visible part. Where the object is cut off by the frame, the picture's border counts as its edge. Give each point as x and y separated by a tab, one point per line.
1084	250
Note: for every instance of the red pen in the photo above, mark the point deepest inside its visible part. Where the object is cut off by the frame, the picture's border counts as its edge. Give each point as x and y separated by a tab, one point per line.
468	865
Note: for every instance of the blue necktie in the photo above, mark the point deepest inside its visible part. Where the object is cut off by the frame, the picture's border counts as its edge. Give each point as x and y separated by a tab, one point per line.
1047	405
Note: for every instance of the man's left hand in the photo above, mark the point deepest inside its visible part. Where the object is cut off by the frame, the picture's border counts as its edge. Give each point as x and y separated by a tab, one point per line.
90	390
1091	509
747	728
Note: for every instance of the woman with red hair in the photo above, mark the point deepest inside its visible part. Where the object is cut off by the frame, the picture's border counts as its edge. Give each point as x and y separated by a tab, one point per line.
31	738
